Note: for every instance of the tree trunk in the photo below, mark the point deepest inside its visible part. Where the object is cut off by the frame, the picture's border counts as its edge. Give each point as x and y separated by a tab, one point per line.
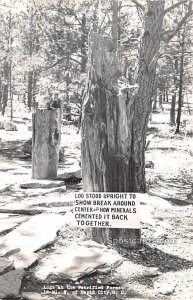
10	88
5	87
45	143
31	92
34	88
148	56
113	138
155	101
106	132
161	101
164	95
83	44
1	93
155	104
33	48
30	89
125	67
172	110
180	86
182	100
167	96
10	63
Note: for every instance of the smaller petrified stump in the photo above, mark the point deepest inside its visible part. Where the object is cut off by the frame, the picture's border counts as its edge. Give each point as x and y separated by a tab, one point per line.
45	143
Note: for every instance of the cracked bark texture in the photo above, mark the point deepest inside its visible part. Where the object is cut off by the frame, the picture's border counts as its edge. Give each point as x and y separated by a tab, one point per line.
148	56
114	121
45	143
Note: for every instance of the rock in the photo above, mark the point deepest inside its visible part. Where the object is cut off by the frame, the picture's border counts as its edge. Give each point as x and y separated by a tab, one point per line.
30	127
60	296
9	126
36	296
152	272
77	261
6	167
137	298
8	222
5	187
22	258
42	184
146	215
75	172
43	192
23	172
78	174
10	284
149	164
27	146
155	200
34	205
24	156
21	211
30	237
190	196
165	288
5	265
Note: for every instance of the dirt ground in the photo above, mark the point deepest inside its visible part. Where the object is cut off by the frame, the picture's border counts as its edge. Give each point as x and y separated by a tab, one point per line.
163	267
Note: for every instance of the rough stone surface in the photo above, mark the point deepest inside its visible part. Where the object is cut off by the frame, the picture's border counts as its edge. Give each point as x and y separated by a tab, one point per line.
44	184
29	237
21	211
10	284
5	265
137	298
149	164
45	191
9	126
27	146
8	222
37	296
154	201
129	270
39	203
165	288
77	261
4	187
71	172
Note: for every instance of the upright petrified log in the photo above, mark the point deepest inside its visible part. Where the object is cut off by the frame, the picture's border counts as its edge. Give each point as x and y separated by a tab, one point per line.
114	121
45	143
107	162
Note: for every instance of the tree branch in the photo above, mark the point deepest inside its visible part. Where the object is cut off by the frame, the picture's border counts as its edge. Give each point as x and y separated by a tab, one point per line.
126	6
139	5
174	6
180	24
60	60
